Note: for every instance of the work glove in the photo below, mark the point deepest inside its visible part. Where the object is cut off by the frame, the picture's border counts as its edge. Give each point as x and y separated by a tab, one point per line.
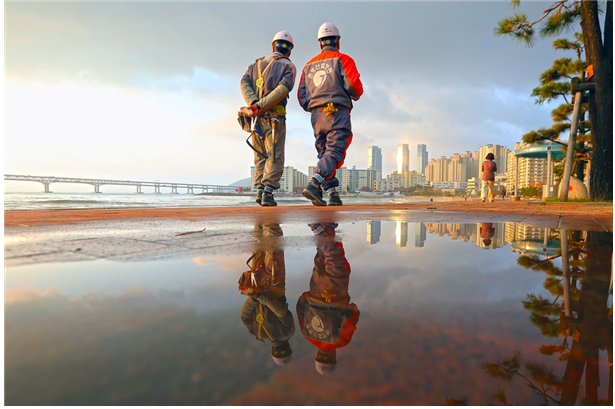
256	110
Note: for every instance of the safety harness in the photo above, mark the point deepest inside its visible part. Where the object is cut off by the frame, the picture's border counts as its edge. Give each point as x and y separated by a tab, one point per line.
272	115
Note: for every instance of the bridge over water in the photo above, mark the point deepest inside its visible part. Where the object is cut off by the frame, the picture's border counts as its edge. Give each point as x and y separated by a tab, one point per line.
97	183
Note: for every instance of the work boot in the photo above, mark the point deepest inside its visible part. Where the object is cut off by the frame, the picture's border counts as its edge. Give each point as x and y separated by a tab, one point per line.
259	196
314	193
268	200
334	199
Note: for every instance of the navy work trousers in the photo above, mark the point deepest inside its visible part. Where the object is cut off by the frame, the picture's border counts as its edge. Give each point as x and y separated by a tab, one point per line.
333	135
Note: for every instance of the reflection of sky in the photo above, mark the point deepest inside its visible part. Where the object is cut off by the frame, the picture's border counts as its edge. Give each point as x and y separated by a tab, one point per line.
448	289
445	272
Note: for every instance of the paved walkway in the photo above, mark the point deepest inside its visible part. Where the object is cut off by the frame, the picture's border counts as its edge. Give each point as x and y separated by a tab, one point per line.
571	216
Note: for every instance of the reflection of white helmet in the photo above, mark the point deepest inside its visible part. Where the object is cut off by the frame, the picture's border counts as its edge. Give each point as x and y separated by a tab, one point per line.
281	361
283	36
324	369
328	30
281	354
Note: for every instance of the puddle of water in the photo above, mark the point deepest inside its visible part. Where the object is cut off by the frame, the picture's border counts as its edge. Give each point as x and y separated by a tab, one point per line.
369	313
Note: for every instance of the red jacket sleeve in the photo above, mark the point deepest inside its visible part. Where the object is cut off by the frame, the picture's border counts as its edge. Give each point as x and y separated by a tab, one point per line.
351	76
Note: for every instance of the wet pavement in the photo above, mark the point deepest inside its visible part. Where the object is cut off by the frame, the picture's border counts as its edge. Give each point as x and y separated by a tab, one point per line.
374	306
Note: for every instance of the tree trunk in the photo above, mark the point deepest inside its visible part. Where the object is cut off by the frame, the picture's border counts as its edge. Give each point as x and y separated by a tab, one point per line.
600	54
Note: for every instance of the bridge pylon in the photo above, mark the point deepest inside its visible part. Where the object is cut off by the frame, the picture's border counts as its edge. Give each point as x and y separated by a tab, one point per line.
46	185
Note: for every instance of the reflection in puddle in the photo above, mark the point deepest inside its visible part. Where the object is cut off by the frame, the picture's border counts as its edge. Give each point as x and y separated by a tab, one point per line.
326	317
265	312
442	321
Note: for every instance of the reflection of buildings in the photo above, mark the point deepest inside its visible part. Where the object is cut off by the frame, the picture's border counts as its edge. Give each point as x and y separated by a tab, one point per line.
401	234
373	231
504	233
468	232
420	234
514	230
457	231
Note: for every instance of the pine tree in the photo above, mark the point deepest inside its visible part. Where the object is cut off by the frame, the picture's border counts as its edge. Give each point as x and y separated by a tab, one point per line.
560	16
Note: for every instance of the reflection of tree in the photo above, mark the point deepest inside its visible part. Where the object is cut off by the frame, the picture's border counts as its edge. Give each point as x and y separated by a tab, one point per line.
547	314
540	378
586	319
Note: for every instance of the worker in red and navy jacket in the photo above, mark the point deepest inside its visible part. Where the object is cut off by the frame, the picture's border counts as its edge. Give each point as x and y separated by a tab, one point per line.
329	83
326	317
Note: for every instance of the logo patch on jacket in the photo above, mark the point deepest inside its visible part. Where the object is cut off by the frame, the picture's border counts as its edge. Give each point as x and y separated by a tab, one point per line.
318	73
316	329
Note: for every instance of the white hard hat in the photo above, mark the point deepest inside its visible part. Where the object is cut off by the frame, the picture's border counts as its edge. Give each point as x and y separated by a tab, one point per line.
328	30
281	361
281	354
283	36
324	369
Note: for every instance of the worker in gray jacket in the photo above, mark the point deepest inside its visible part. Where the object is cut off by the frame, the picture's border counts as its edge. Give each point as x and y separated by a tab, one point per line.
265	87
265	312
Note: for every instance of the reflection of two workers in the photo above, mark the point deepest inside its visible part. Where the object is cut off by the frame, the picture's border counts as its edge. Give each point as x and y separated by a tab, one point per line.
326	317
486	233
265	312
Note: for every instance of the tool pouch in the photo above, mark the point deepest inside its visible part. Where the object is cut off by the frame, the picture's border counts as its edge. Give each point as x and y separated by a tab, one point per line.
245	122
254	279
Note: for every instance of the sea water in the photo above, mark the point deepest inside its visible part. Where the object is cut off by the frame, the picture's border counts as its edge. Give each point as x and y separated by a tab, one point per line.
48	201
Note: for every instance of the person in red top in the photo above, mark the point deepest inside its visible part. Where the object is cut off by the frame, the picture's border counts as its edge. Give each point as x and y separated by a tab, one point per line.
329	83
488	168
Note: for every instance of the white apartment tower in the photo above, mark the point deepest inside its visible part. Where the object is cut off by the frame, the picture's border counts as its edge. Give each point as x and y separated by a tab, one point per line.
374	157
501	158
532	171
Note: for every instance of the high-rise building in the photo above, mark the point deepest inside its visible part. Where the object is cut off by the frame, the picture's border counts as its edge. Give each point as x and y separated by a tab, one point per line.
501	158
532	171
373	231
353	180
403	158
291	179
401	234
374	157
422	158
420	234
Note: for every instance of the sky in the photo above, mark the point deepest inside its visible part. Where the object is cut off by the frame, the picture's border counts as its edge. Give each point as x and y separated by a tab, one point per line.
150	90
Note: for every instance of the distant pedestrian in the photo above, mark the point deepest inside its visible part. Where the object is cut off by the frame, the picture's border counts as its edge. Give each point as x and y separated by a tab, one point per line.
265	87
487	232
329	83
431	199
489	168
503	192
